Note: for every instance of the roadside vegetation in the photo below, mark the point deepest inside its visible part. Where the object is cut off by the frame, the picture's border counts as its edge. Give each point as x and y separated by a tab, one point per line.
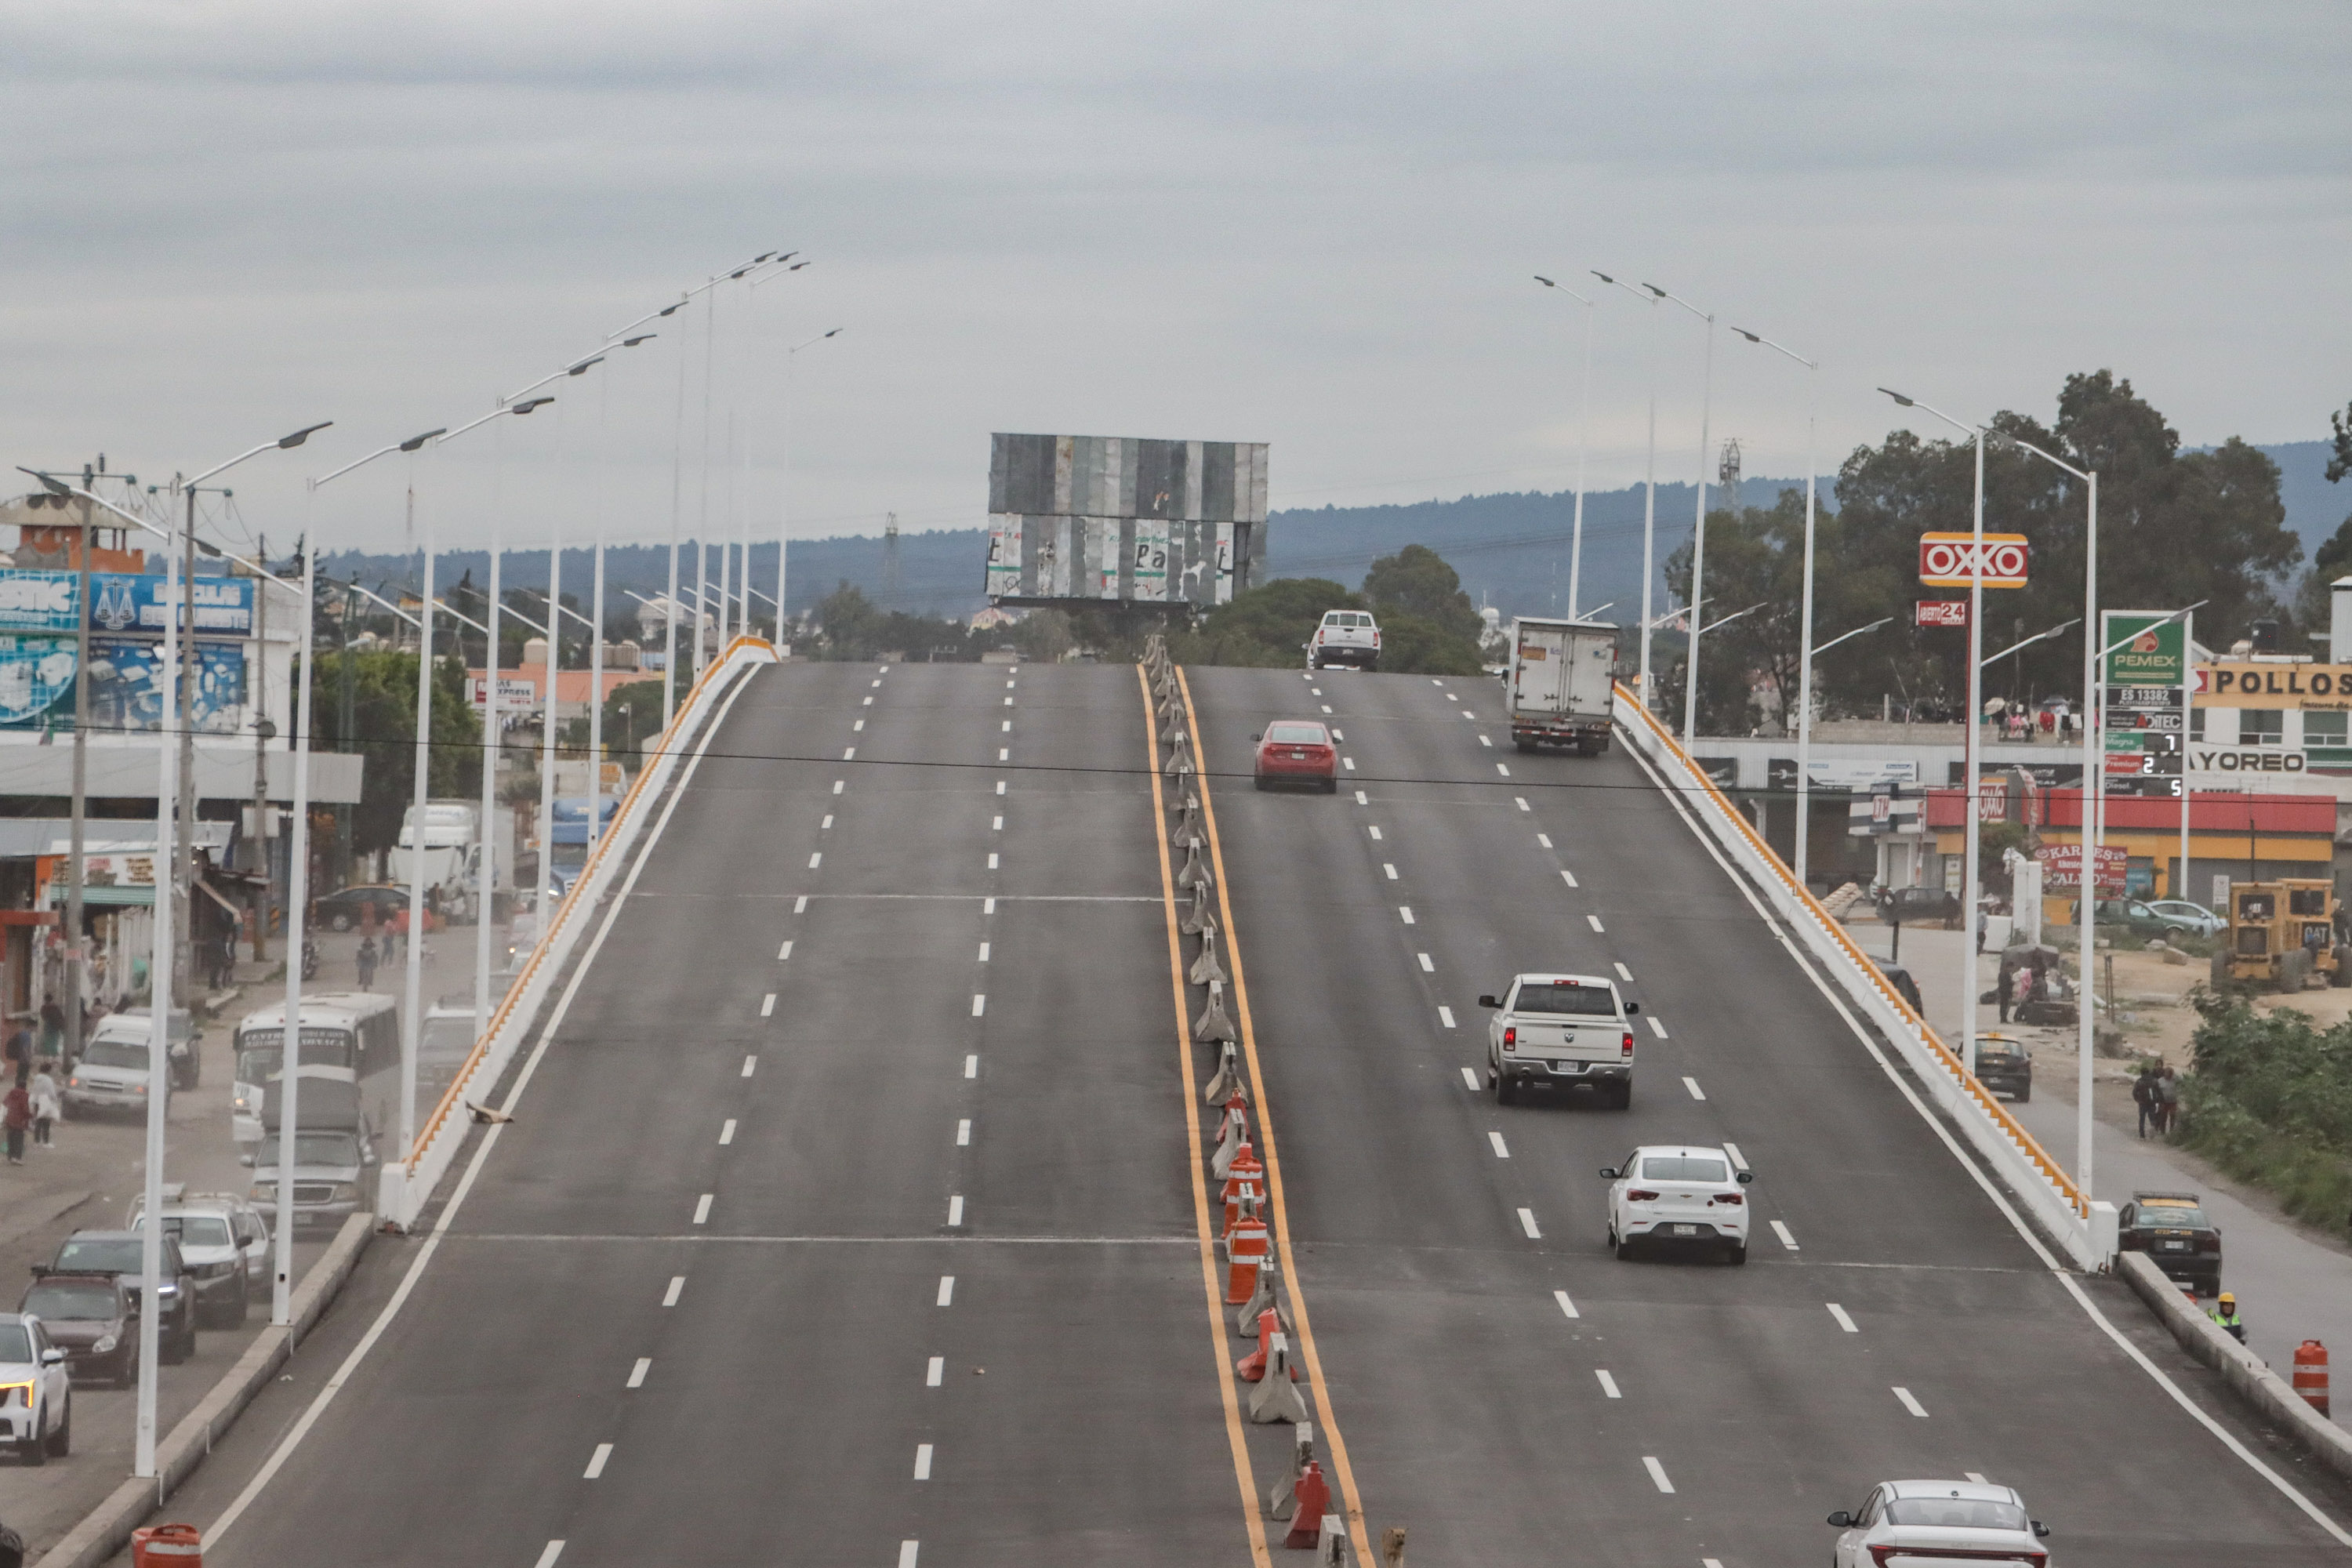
2268	1099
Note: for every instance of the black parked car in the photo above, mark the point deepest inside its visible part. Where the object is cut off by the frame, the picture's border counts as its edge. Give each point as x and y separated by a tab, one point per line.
1905	986
116	1252
2005	1067
1920	906
2172	1229
345	911
94	1318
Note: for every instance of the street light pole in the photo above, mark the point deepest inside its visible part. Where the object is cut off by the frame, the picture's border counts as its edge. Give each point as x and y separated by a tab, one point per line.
1805	631
1583	445
1649	492
1698	529
1969	873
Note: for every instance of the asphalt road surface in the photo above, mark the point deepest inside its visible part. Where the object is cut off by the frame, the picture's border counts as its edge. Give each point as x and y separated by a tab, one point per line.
1476	1409
904	1265
848	1209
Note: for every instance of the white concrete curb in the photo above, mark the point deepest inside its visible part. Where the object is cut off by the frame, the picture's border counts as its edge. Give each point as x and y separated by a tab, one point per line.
106	1530
2271	1397
2021	1164
408	1185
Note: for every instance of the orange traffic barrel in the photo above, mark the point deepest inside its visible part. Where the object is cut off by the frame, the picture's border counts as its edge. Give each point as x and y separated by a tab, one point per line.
2311	1374
167	1546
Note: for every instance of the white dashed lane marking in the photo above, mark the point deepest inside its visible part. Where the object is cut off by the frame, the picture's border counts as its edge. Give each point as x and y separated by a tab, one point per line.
1569	878
815	861
1695	1092
1483	741
676	1288
596	1462
1844	1321
1351	763
1565	1305
979	1002
1373	830
1542	838
727	1133
800	905
1782	1232
1528	1223
984	953
702	1209
1657	1029
782	953
922	1461
1446	1017
1910	1403
1595	921
825	826
1360	799
637	1372
1658	1474
547	1558
836	784
1405	910
1608	1383
963	1135
1504	769
1385	865
1521	802
750	1065
971	1065
955	1211
1502	1149
1624	973
768	1006
1426	967
946	1290
932	1374
1470	1080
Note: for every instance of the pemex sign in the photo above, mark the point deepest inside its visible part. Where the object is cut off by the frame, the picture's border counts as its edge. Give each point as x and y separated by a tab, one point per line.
2156	655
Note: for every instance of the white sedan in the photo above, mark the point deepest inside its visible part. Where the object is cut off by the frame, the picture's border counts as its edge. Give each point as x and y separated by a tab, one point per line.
36	1395
1676	1196
1939	1521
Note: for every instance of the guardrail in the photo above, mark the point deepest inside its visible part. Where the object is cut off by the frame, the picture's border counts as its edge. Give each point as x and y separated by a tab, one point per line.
2028	1168
406	1185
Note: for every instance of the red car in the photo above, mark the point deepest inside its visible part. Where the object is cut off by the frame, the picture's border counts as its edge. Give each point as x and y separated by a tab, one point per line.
1297	750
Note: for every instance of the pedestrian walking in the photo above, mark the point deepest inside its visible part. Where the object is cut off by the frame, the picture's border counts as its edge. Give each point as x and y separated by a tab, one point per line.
47	1106
53	1029
367	963
20	1118
2225	1314
2168	1100
2144	1096
20	1049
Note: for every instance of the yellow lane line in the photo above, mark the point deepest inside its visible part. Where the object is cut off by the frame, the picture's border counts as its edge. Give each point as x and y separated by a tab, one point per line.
1218	1342
1329	1423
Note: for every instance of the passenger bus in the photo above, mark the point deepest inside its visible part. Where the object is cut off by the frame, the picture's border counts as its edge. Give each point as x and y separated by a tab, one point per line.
351	1031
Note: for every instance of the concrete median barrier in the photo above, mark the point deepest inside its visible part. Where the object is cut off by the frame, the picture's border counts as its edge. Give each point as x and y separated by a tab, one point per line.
1214	1023
1174	732
106	1530
1188	827
1206	970
1282	1499
2247	1376
1332	1544
1266	1296
1245	1209
1228	1080
1233	1137
1192	873
1277	1397
1200	917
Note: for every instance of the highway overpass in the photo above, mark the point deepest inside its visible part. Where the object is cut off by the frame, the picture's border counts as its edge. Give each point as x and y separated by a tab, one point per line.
852	1210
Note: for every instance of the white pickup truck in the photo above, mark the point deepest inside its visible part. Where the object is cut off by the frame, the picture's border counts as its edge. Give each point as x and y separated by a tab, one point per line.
1565	1030
1346	636
1561	684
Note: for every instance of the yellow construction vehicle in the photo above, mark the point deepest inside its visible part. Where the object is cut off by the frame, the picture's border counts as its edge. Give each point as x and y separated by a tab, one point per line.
2283	934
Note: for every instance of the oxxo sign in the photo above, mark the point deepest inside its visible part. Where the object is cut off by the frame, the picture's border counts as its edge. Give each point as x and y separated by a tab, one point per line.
1948	560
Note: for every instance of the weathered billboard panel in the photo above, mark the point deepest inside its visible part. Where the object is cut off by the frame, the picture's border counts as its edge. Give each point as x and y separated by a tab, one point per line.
1125	520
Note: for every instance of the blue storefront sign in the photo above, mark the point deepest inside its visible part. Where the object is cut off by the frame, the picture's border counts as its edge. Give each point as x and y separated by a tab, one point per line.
37	601
121	602
126	688
35	673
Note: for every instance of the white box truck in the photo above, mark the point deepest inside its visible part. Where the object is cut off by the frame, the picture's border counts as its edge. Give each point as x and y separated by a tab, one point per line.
1562	683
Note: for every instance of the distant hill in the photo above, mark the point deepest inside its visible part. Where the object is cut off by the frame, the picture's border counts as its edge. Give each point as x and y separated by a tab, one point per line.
1511	550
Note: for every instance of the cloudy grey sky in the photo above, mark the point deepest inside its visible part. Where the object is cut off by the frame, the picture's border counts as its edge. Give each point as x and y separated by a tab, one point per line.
1309	222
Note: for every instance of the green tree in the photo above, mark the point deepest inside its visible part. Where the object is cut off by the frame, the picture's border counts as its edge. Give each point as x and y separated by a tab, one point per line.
1417	581
383	732
1266	627
1421	645
633	717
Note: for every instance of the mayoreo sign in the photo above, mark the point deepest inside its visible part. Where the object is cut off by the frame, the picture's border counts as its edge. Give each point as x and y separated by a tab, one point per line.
2155	650
1948	560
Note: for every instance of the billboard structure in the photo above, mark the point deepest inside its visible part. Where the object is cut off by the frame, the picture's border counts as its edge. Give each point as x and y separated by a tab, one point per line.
1120	520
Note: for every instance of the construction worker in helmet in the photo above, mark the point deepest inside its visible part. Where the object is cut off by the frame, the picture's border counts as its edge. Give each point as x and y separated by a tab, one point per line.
2225	1313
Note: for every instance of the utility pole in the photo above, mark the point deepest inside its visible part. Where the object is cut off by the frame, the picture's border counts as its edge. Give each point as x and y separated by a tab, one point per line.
76	960
263	730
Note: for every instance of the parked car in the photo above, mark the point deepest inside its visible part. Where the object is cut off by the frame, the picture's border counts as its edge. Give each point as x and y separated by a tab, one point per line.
2173	1230
94	1318
1957	1522
1297	750
2005	1066
41	1425
117	1252
2183	918
1671	1195
345	911
1920	906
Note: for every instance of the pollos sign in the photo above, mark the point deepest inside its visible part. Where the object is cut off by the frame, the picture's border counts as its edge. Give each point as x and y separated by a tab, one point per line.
1950	560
